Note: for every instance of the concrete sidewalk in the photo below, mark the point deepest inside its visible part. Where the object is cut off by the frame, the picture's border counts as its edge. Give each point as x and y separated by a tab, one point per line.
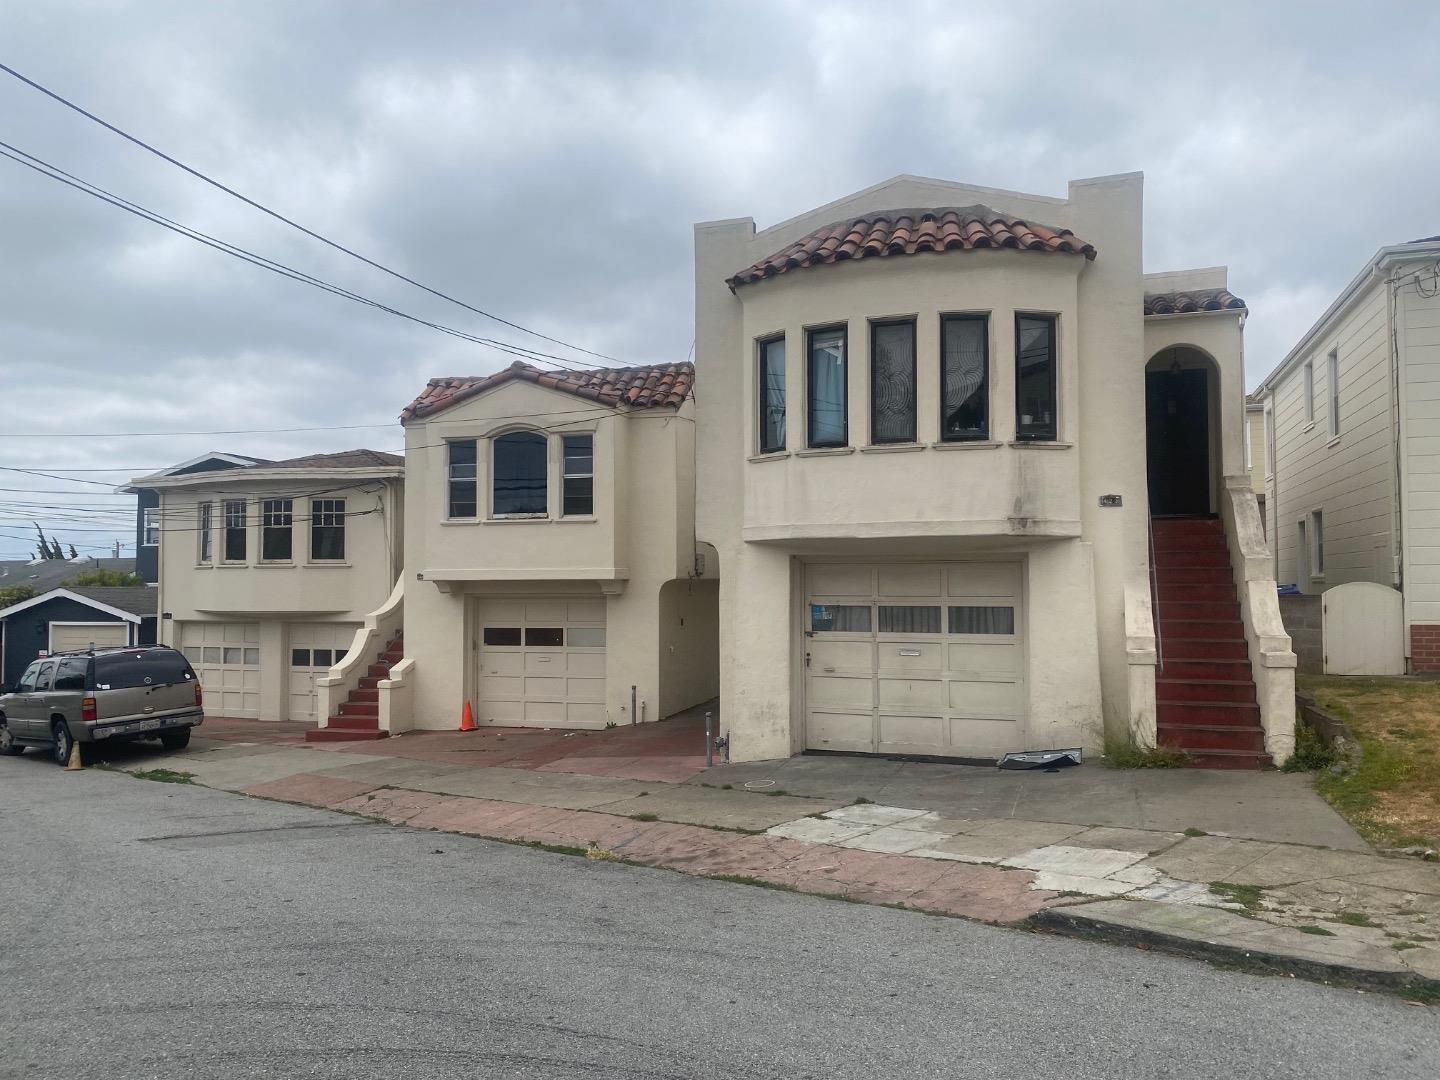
1088	849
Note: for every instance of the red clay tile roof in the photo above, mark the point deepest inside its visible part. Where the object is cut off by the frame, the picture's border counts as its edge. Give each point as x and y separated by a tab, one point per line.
908	232
634	387
1191	301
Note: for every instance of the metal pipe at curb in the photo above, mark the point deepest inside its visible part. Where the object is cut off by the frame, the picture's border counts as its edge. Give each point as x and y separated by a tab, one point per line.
709	741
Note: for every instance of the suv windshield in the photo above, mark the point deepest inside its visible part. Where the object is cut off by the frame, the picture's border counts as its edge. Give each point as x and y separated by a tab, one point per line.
158	667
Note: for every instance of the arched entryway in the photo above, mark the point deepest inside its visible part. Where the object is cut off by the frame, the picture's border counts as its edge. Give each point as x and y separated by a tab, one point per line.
1181	432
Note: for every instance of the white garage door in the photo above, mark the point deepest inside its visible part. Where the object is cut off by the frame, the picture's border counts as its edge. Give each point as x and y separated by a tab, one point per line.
314	649
226	656
910	658
66	637
541	663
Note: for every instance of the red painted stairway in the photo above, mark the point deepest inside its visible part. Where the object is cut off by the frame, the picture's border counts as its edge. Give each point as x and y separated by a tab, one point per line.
1204	689
359	716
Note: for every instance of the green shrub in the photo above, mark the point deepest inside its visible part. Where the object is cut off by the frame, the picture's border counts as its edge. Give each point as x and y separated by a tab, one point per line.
1311	752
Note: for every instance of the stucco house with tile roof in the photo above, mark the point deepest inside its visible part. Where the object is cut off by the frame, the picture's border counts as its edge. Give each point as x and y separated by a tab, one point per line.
976	483
552	577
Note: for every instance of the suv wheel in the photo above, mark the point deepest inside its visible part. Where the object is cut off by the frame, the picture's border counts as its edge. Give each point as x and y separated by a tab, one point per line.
63	742
8	746
175	740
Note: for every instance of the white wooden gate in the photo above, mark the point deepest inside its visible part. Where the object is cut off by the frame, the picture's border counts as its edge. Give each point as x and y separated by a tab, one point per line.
1364	629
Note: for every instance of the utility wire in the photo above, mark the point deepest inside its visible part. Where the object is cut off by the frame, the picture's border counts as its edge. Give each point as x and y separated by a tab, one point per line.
295	224
53	172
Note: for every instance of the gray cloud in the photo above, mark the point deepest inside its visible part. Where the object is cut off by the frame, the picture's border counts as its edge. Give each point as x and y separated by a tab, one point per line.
546	161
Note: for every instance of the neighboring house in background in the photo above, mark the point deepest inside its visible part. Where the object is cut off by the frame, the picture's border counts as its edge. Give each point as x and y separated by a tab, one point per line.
268	570
42	575
930	445
551	573
1255	450
63	619
1353	425
147	508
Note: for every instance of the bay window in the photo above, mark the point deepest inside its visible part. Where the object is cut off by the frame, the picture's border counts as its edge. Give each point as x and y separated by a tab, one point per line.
277	516
772	395
460	469
1035	389
202	530
827	393
892	382
578	476
235	529
964	378
327	530
519	484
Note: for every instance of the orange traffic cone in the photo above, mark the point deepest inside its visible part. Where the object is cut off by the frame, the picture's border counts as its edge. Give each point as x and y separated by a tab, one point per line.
76	762
467	719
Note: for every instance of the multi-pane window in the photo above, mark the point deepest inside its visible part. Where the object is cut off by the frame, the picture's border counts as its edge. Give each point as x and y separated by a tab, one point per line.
1035	393
827	395
461	470
964	378
578	476
1308	376
151	520
892	382
202	530
234	548
520	463
1332	377
327	529
1317	543
277	518
772	395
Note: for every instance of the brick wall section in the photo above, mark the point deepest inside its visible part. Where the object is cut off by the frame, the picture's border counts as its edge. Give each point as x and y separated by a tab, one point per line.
1301	616
1424	648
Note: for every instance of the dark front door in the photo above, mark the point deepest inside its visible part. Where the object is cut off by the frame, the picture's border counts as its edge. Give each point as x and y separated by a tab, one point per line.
1177	442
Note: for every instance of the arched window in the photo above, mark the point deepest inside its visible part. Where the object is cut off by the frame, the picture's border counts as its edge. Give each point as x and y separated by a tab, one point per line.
519	474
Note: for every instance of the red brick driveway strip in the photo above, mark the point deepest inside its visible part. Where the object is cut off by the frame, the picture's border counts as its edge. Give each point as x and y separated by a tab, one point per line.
312	789
985	893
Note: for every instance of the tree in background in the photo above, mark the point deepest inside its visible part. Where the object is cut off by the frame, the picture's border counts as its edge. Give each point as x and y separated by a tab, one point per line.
73	553
44	550
14	594
107	579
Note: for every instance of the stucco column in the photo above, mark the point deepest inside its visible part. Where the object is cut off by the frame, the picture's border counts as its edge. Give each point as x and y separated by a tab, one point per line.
755	623
1064	649
274	670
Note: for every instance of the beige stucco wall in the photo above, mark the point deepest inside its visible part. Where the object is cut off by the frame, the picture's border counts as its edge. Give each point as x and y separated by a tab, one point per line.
640	537
278	596
923	501
1256	447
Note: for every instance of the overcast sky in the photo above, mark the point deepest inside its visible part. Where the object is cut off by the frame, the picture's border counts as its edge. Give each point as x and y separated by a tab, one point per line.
545	161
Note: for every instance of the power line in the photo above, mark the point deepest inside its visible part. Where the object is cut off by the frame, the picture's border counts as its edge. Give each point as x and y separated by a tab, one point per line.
295	224
178	434
53	172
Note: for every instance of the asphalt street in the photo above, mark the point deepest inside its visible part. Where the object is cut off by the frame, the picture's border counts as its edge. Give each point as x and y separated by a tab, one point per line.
161	930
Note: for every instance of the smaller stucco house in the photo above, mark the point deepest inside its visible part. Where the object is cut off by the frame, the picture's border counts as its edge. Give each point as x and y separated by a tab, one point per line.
552	577
1352	438
267	571
73	617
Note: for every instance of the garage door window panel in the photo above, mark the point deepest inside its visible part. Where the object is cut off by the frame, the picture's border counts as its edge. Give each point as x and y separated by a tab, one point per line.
840	618
519	486
503	636
909	619
544	636
982	620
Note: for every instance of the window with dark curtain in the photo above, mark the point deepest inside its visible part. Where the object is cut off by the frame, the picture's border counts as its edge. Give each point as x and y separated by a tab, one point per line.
234	530
327	529
908	619
982	620
520	464
772	395
826	390
276	518
578	476
892	382
1035	412
464	502
964	378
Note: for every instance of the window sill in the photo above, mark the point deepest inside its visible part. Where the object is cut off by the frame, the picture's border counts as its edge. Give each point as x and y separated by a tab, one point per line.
575	519
1039	444
518	519
771	455
232	565
322	564
892	448
460	521
966	444
275	565
825	451
1309	426
1333	442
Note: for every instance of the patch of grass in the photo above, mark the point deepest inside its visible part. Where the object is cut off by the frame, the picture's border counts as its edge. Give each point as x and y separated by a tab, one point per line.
1401	946
1247	896
1318	931
1123	754
1312	753
1392	795
777	791
595	853
746	879
727	787
555	849
862	801
1355	918
164	776
644	817
1192	831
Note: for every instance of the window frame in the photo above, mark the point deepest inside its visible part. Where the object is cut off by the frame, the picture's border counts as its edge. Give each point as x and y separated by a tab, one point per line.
321	513
1316	535
229	528
473	480
1307	389
762	369
523	515
1332	377
1270	442
1053	433
566	476
150	526
277	518
204	530
914	435
843	329
983	318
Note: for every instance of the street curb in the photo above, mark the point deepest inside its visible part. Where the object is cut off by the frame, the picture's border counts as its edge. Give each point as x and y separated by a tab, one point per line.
1071	921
